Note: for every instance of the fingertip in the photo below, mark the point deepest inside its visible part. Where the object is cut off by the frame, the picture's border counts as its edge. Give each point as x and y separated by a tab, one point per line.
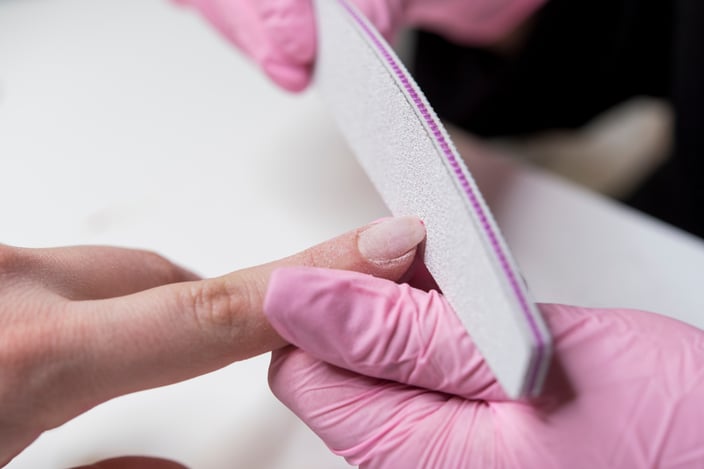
291	77
286	295
291	26
336	316
277	368
310	307
284	362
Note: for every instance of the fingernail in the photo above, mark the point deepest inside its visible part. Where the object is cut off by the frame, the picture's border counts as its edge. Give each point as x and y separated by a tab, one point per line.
390	239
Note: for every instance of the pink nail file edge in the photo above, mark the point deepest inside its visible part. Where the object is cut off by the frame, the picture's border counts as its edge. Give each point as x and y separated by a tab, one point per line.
409	157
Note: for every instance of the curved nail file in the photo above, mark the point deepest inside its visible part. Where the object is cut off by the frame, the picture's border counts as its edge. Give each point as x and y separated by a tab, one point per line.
409	157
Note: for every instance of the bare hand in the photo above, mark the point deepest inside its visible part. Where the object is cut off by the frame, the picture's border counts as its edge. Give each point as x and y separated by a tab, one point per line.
81	325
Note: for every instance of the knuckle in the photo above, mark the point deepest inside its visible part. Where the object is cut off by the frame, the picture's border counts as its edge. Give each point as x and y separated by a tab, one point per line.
220	305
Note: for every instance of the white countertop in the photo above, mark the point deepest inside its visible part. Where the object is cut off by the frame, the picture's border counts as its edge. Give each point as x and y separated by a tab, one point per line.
132	123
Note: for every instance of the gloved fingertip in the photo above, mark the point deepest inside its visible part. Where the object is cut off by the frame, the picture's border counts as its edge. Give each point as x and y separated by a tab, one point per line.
294	78
284	362
281	283
305	305
290	25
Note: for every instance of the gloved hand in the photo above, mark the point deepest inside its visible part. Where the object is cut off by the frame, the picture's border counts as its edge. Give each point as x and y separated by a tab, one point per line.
280	34
387	376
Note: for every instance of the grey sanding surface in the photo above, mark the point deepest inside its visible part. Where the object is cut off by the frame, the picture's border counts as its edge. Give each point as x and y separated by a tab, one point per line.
410	159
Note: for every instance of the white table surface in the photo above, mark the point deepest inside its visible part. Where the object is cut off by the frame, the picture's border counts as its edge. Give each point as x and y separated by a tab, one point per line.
132	123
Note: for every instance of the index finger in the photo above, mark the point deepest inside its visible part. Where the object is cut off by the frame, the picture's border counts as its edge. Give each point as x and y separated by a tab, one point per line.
177	331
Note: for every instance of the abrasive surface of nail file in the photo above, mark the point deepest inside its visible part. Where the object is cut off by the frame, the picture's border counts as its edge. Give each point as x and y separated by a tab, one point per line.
409	157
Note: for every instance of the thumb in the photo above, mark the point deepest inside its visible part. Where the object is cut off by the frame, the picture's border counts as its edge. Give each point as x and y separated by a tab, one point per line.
378	328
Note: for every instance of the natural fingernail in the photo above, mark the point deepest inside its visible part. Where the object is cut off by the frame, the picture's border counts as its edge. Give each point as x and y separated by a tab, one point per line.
390	239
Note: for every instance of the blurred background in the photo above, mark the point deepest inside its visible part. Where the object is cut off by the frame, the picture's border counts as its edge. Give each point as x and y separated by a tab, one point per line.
606	93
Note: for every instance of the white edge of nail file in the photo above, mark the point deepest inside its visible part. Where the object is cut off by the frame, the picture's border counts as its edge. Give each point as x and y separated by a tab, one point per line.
410	159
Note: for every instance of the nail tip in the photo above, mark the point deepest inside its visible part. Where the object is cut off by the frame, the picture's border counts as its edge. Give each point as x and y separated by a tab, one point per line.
391	239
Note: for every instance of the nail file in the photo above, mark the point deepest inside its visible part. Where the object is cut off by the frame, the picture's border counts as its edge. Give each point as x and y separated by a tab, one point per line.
411	161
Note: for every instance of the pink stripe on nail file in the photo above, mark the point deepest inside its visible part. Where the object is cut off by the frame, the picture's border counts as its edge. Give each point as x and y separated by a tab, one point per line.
408	155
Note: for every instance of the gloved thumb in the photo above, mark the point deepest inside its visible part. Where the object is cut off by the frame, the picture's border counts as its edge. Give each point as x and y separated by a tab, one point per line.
378	328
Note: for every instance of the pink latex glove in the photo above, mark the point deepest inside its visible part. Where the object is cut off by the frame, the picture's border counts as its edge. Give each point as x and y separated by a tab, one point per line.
280	34
387	376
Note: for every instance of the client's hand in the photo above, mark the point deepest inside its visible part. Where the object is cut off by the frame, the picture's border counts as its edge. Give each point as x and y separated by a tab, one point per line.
387	376
80	325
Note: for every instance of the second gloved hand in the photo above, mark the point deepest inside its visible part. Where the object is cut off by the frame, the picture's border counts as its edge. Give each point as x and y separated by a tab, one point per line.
388	377
280	35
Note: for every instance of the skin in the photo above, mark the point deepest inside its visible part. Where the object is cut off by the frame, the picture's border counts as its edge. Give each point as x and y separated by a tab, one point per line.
65	312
